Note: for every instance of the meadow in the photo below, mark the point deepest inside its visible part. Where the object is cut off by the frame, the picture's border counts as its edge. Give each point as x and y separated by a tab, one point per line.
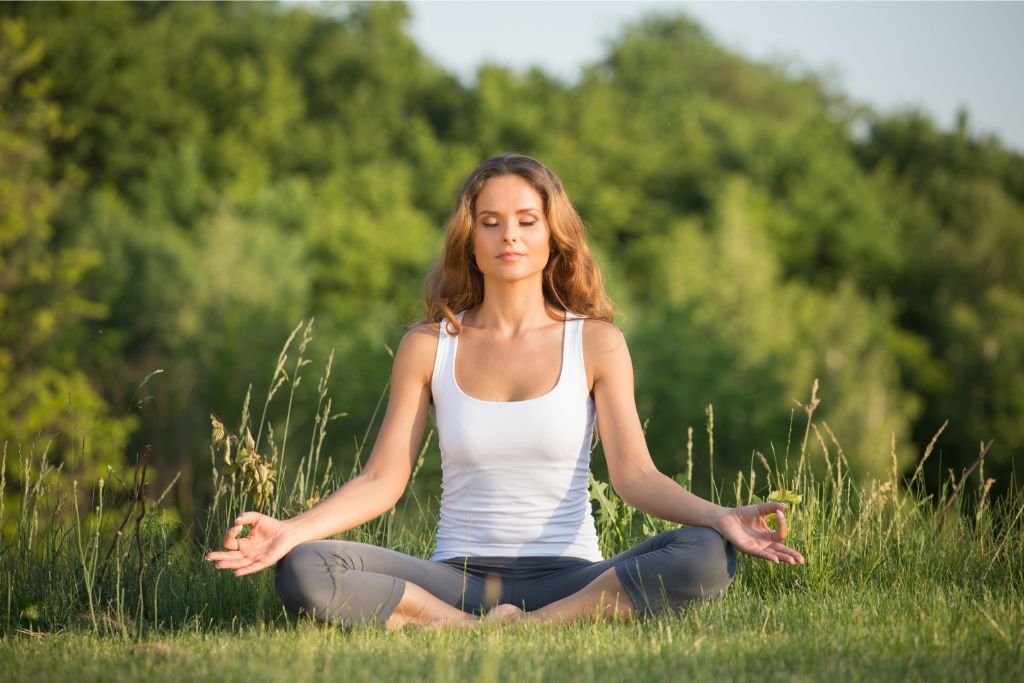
101	584
190	178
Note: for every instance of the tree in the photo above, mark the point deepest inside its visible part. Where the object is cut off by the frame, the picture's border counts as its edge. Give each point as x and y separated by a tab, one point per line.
47	404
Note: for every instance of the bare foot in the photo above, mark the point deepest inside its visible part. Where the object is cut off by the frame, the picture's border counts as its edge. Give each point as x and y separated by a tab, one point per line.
504	612
449	622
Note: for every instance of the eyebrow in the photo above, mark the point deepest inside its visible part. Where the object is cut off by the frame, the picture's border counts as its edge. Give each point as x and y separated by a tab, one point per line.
527	210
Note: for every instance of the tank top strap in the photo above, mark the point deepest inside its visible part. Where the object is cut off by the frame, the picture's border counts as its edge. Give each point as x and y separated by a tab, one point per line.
444	359
573	357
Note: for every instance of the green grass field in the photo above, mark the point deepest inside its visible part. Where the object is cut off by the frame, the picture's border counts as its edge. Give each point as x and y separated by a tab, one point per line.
908	632
891	590
100	585
845	633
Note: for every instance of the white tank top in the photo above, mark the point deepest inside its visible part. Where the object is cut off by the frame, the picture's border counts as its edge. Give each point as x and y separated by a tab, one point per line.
514	474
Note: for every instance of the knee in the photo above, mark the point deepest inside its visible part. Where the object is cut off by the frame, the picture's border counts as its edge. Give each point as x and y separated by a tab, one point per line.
714	561
292	578
302	576
704	564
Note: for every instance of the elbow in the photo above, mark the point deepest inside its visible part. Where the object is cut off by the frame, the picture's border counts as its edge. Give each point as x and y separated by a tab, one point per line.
634	491
634	500
626	493
390	488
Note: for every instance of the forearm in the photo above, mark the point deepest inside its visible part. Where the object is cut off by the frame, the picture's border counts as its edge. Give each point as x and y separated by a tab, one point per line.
359	500
658	495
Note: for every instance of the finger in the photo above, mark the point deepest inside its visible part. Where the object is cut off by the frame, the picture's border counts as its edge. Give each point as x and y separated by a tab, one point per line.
219	556
785	557
769	508
789	552
764	553
250	569
230	541
784	553
248	518
781	528
235	563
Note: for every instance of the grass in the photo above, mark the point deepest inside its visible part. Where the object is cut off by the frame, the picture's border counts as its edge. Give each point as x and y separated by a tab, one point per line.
898	585
847	634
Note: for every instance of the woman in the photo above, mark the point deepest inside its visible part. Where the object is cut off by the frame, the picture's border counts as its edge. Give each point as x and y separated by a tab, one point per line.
516	299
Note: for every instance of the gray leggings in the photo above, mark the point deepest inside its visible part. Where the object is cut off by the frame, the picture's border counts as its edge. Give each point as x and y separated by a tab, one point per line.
349	583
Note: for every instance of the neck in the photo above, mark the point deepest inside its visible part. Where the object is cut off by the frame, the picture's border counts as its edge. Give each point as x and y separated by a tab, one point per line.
512	307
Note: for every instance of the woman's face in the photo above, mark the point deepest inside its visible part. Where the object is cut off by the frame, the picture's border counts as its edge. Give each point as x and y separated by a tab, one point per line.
510	218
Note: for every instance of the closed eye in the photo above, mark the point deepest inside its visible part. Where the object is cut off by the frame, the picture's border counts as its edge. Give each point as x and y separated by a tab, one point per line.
522	223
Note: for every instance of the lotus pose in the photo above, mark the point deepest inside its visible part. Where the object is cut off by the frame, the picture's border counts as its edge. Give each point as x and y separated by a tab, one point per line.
516	357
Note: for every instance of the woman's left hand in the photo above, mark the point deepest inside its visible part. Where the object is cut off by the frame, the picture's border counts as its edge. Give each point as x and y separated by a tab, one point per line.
745	527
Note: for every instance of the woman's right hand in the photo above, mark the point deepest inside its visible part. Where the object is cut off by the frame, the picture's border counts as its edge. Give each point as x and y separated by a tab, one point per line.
269	540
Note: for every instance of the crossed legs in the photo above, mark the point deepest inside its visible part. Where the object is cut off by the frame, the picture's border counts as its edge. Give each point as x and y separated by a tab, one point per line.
351	583
602	597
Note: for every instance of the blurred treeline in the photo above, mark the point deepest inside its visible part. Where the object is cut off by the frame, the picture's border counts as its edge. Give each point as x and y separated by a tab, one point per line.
180	184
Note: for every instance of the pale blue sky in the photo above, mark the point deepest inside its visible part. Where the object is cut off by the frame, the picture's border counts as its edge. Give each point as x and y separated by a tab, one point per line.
890	55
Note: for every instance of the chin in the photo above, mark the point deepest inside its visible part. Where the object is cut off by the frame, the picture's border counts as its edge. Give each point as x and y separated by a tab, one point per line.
515	277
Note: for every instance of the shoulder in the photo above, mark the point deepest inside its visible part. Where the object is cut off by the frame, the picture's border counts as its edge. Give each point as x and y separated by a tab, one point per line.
423	330
604	348
417	349
601	337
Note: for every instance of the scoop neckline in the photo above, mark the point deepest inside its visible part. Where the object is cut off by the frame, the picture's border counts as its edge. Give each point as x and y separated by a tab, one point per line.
558	382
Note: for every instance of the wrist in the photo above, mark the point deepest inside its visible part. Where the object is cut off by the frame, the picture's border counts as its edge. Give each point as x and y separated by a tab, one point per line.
716	515
295	531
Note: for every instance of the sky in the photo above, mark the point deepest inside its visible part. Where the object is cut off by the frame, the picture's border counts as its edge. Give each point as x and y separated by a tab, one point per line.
934	56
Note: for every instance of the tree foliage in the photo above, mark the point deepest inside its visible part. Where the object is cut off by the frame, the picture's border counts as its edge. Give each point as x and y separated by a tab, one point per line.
44	394
183	182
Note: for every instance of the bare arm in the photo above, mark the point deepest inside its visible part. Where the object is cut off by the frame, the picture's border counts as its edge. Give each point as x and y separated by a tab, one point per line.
381	483
634	475
374	491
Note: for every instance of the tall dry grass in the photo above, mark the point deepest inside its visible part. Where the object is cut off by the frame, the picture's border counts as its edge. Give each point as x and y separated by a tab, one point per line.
107	557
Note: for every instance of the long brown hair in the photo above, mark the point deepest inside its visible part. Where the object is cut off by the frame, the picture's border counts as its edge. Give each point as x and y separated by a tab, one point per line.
571	279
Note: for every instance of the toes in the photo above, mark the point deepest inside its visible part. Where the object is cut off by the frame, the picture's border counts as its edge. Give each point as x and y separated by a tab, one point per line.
503	612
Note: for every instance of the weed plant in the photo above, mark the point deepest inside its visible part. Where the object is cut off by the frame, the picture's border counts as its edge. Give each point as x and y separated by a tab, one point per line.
899	583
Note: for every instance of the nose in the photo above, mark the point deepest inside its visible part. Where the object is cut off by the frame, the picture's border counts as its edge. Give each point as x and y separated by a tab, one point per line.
510	234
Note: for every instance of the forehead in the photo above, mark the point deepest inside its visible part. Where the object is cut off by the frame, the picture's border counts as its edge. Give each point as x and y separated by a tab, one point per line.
508	193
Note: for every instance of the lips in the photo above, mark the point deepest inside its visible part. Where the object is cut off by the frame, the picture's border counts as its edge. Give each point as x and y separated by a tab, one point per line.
509	255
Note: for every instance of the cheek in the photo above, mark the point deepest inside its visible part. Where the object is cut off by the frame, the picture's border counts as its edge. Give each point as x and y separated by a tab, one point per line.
478	245
475	241
545	239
